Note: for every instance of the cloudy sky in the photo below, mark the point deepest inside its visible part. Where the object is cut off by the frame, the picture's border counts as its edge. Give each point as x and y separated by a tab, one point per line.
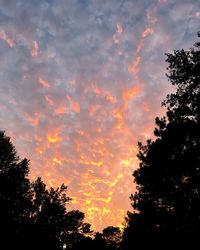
81	81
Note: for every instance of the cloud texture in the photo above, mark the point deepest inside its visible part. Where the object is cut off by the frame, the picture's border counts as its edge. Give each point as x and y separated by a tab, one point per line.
81	82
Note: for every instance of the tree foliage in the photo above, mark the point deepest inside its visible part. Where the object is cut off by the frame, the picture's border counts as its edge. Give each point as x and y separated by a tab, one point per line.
33	216
109	239
167	200
15	193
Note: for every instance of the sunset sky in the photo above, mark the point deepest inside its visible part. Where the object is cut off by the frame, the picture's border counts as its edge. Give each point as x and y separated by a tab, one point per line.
81	82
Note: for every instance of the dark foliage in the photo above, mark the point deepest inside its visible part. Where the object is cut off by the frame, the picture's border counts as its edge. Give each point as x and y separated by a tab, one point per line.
109	239
32	216
15	193
167	201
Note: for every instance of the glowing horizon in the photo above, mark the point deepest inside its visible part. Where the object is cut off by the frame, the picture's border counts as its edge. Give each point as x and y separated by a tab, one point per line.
81	82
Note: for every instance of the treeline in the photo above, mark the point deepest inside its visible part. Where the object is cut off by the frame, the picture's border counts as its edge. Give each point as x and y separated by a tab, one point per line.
34	217
166	205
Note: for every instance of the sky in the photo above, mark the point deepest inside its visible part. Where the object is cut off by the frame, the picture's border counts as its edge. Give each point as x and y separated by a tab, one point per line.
81	82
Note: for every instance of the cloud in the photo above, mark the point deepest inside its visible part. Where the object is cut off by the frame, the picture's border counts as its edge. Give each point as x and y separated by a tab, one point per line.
80	83
6	38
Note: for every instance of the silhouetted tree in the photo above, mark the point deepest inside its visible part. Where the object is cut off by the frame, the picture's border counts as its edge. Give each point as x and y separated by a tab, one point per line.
49	216
77	231
112	236
53	227
31	215
167	200
15	194
109	239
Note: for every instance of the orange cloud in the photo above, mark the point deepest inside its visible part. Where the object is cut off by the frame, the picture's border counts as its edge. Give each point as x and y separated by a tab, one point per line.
146	107
104	93
39	151
49	100
129	94
127	163
146	32
118	114
73	105
92	163
57	161
54	137
6	38
44	83
134	67
33	120
95	89
93	109
116	180
105	200
61	110
111	98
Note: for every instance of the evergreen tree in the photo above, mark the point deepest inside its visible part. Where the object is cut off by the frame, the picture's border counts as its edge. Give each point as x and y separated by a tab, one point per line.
31	215
15	193
78	233
167	200
48	218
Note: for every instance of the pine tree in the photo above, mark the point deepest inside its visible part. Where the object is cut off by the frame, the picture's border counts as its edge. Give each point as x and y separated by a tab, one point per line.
15	193
167	200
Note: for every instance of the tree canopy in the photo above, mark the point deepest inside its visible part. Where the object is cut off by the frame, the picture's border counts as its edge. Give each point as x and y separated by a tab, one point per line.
31	215
15	193
167	200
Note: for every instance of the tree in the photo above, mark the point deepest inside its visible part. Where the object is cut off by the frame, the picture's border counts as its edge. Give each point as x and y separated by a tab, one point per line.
48	218
77	231
109	239
15	193
167	200
33	216
112	236
52	226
